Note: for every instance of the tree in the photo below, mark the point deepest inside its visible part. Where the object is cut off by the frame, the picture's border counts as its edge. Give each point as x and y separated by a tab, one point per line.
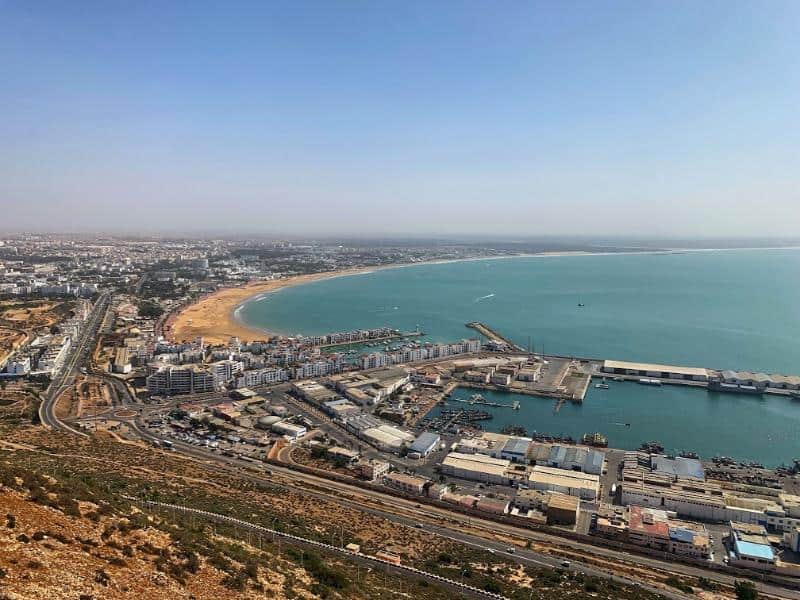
745	590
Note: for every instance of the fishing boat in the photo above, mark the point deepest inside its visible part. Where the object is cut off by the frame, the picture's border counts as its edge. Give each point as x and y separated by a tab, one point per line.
594	439
652	447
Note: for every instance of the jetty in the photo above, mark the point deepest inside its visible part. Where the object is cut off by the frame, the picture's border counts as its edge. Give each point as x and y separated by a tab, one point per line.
493	335
478	399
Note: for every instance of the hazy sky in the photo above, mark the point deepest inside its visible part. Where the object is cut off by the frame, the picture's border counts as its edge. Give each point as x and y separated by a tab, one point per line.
662	118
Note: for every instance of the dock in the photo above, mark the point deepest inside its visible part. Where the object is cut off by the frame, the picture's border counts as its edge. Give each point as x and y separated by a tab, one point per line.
490	333
483	402
386	338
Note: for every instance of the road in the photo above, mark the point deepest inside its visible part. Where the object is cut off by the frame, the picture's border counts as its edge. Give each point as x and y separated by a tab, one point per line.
78	352
446	524
454	526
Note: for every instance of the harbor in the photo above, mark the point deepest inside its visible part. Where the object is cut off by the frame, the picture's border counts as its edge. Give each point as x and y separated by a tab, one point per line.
682	418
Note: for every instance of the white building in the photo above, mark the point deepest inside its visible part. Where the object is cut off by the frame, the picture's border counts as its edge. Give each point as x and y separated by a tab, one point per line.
289	429
18	367
572	483
476	467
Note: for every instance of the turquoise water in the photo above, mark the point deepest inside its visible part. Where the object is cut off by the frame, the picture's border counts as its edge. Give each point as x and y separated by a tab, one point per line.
732	309
681	418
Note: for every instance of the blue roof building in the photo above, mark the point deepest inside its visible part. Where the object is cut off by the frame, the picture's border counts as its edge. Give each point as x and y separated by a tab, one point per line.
425	443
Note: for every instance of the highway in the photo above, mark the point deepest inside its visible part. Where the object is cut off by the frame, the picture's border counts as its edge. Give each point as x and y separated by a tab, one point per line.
65	377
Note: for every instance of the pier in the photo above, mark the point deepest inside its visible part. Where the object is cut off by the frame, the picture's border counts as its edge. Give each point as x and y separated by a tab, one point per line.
715	380
483	402
490	333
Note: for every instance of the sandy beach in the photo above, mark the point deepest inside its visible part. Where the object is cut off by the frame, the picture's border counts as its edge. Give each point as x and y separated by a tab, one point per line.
213	317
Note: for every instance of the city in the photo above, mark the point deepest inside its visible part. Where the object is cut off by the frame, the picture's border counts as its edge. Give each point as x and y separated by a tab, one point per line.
400	301
92	349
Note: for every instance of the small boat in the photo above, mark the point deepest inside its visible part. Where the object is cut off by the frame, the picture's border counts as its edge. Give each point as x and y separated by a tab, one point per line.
581	305
618	379
601	386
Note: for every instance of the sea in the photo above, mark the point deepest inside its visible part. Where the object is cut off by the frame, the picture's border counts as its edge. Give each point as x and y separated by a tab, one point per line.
723	309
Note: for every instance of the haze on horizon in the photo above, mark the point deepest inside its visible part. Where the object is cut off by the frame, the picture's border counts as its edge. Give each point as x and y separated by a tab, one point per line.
614	118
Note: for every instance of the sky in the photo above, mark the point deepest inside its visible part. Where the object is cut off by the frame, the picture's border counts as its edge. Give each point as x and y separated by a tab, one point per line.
673	118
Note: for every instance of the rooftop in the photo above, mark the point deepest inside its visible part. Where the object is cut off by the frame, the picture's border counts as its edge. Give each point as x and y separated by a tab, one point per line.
621	364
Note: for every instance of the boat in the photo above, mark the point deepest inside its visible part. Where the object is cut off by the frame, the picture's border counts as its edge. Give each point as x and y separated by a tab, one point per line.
652	447
649	381
689	455
601	386
734	388
795	395
581	305
595	439
618	379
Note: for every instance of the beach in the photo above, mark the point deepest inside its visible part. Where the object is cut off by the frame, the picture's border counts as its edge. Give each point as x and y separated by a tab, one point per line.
213	316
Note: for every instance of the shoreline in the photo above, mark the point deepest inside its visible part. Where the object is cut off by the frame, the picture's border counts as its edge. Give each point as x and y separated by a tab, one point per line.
215	316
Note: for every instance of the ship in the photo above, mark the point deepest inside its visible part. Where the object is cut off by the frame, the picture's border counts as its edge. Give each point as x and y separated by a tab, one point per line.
735	388
595	439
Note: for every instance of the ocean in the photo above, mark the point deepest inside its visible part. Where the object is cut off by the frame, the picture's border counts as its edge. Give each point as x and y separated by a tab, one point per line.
733	309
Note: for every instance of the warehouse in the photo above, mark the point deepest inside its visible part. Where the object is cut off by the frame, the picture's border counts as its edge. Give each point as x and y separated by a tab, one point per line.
678	467
387	438
476	467
572	483
574	458
289	429
516	450
619	367
425	443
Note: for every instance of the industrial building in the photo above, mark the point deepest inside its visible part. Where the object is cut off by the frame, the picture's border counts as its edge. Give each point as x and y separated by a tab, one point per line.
680	467
387	438
572	483
572	458
476	467
314	392
425	443
289	430
749	547
619	367
709	502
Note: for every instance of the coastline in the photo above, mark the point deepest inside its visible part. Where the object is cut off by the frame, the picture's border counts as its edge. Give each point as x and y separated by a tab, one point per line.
215	318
